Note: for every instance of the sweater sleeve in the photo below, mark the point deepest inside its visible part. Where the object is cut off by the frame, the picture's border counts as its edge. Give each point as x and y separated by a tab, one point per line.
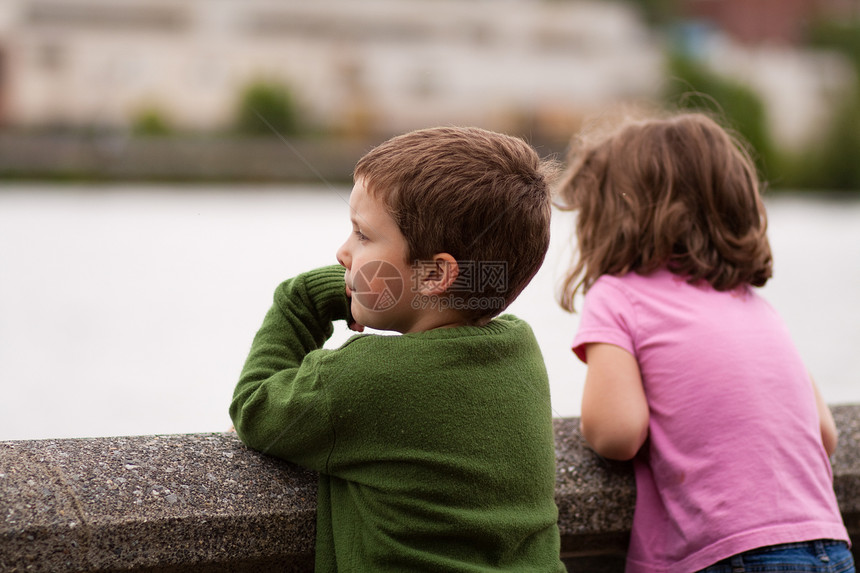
279	405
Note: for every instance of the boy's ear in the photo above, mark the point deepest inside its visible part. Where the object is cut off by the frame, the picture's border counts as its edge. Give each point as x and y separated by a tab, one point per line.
438	276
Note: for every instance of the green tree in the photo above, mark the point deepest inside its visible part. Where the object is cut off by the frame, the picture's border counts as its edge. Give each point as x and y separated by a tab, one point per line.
658	13
837	159
692	86
265	107
843	36
150	121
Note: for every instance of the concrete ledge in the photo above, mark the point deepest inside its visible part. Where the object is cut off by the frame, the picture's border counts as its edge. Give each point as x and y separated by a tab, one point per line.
205	502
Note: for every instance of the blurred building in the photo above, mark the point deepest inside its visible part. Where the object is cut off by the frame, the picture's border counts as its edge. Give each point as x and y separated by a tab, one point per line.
756	22
761	44
385	65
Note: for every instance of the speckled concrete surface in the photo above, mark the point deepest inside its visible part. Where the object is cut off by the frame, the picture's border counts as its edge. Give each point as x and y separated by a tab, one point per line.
151	501
846	470
204	502
595	496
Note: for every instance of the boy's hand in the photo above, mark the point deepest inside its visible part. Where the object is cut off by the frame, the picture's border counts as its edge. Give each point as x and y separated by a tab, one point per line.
350	322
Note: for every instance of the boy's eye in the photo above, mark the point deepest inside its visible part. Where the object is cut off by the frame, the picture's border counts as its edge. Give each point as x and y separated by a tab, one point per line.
360	235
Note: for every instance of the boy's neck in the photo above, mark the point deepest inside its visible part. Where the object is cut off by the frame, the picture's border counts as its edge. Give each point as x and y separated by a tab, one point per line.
431	319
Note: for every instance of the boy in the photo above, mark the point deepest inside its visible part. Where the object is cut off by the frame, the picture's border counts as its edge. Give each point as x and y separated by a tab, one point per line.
434	448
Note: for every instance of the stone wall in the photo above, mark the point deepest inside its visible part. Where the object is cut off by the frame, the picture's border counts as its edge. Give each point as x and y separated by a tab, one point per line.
206	503
117	156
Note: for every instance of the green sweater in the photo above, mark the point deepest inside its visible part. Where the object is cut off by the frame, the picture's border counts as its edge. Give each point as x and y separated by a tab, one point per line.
435	449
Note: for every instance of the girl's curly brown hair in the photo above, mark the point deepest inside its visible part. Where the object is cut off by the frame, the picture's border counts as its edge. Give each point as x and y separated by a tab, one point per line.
680	193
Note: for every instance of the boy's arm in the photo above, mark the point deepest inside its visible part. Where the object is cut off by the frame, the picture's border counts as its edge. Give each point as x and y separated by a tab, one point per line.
614	407
278	405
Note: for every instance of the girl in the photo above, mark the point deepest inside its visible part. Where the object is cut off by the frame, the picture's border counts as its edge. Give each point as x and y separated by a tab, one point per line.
690	372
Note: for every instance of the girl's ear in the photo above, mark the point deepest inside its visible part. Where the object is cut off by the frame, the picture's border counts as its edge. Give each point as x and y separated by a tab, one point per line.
438	274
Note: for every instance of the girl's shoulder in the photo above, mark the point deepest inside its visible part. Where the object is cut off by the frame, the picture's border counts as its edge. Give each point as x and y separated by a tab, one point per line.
665	287
663	278
633	281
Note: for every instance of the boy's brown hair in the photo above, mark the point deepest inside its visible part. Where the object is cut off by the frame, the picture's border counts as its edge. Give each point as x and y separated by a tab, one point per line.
678	192
483	197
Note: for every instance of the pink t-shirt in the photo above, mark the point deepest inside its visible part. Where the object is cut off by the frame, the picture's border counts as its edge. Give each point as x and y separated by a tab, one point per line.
734	458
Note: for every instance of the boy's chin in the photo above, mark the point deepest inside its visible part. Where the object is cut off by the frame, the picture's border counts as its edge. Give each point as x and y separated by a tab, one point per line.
362	318
367	320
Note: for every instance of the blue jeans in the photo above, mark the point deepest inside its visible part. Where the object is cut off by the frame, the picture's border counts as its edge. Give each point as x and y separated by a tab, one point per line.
819	556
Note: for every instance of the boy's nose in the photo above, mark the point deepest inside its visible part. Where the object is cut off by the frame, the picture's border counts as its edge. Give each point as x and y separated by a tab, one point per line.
342	256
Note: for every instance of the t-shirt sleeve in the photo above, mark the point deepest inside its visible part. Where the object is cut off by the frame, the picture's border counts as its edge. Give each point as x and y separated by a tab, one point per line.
607	316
